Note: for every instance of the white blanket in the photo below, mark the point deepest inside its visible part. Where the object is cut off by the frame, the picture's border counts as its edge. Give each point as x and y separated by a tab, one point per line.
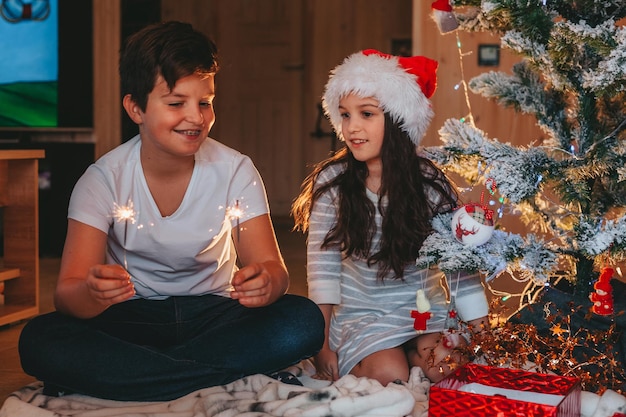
261	396
253	396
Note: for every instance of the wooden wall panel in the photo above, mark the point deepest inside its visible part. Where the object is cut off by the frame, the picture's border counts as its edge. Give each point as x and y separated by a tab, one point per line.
107	129
335	29
450	102
201	14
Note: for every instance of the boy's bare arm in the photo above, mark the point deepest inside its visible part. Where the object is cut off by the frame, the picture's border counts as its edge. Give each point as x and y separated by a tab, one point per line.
86	287
263	277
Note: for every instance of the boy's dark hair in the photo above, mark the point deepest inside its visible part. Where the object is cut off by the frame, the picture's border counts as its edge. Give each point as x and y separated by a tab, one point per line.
171	49
415	189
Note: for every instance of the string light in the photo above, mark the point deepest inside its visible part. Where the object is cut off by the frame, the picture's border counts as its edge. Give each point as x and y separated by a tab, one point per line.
463	82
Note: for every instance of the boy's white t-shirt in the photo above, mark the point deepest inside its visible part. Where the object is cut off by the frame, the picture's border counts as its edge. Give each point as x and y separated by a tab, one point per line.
188	253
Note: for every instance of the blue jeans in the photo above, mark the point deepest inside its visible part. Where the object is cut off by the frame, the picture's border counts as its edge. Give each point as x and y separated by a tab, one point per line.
155	350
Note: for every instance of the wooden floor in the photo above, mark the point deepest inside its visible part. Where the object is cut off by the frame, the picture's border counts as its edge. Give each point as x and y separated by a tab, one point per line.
11	375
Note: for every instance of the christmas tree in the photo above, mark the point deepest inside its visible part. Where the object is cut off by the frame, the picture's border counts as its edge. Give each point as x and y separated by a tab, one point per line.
569	190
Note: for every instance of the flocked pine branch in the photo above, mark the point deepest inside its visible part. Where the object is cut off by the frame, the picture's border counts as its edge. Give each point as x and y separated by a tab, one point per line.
571	187
503	252
518	172
568	188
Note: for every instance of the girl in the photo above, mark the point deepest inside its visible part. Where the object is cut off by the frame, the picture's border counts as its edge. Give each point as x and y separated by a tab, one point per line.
367	210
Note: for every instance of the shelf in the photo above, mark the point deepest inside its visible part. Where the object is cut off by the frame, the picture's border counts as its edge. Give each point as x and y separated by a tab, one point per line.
9	273
19	199
11	313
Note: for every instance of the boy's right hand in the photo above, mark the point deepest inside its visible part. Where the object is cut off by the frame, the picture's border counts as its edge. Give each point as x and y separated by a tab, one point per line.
326	367
109	284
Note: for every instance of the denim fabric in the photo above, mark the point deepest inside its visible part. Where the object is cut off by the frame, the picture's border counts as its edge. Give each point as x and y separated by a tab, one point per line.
151	350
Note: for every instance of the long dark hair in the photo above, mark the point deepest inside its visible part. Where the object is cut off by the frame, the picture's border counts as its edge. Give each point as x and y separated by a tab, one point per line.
415	190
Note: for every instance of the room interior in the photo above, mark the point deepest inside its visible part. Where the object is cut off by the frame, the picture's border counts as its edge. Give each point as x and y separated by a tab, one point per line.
275	56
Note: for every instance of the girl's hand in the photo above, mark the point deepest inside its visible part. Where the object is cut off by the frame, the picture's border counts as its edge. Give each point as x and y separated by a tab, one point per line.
326	367
109	284
254	287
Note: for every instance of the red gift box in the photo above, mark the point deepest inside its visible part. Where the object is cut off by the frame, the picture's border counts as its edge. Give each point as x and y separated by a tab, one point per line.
446	398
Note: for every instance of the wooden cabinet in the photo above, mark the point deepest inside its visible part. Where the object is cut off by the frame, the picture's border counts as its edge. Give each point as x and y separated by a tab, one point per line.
19	199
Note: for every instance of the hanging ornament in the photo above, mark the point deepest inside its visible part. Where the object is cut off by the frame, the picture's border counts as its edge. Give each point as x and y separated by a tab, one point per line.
452	320
422	314
420	319
450	339
443	16
423	305
602	297
473	224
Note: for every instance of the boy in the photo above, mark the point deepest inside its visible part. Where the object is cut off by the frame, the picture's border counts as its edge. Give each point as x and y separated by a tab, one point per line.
163	288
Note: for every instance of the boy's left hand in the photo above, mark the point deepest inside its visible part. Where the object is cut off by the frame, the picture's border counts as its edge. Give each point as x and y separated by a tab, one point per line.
254	287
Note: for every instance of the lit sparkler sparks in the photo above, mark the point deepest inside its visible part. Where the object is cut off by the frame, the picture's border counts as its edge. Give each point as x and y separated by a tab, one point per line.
124	214
235	212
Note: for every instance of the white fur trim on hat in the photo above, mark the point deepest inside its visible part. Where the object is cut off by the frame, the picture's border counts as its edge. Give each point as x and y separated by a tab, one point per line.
384	79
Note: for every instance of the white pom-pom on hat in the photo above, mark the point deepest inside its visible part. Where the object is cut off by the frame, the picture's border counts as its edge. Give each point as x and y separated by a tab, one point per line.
402	86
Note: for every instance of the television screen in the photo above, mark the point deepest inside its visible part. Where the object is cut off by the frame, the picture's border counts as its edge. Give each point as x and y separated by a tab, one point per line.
45	64
29	67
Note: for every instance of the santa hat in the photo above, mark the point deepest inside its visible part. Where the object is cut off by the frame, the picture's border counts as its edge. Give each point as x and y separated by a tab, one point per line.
402	86
604	281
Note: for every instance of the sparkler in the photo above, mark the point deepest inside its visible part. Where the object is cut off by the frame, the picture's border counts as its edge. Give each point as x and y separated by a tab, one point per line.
236	212
124	214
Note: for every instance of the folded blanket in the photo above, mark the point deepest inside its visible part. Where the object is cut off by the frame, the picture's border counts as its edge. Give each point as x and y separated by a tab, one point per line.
253	396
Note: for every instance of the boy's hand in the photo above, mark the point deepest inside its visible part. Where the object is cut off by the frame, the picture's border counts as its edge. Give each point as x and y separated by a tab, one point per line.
253	286
109	284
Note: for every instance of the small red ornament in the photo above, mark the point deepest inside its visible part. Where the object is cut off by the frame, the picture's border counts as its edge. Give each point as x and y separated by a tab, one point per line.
443	5
452	314
443	16
602	297
420	319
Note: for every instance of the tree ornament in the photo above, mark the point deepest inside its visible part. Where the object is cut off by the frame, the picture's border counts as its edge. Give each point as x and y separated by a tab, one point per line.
422	314
420	319
423	305
473	224
443	16
602	297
